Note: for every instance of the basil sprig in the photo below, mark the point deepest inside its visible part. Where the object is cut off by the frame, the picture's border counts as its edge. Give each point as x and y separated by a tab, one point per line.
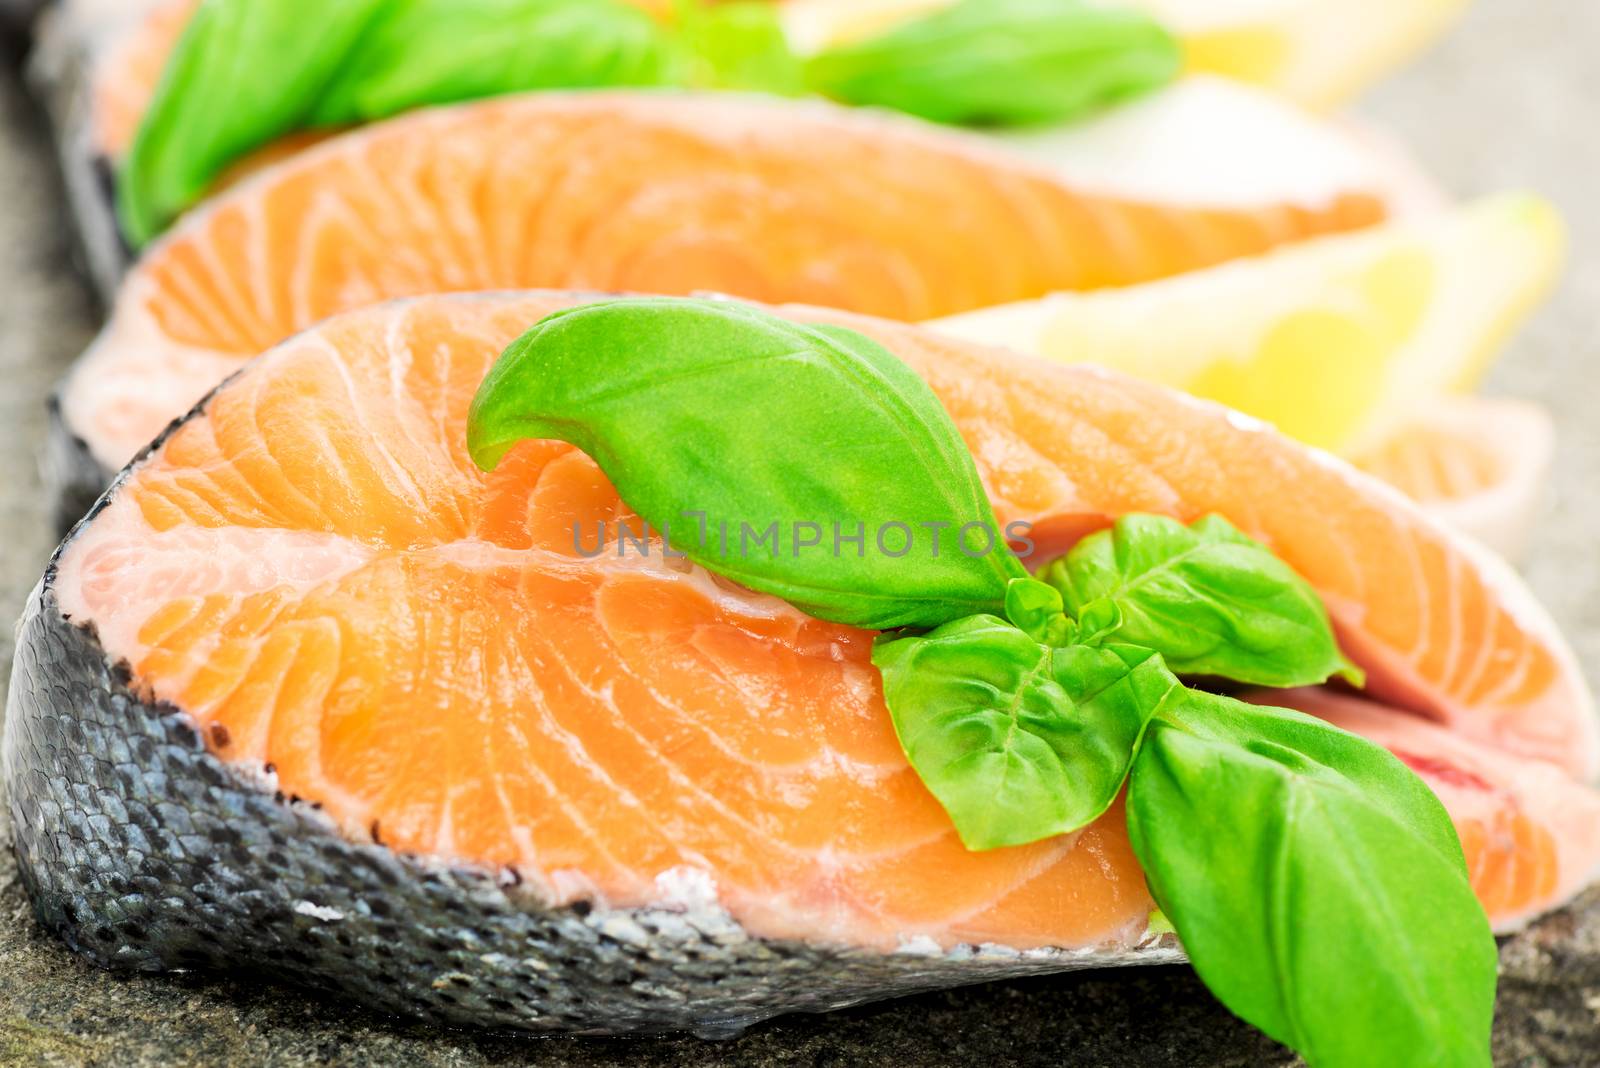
246	72
1316	884
1003	62
1314	880
1193	600
802	461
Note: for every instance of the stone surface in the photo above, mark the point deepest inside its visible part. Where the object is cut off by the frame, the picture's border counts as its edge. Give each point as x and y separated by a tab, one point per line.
1507	101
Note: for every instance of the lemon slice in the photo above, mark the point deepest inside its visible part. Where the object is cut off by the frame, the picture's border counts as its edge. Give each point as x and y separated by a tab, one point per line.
1320	52
1336	341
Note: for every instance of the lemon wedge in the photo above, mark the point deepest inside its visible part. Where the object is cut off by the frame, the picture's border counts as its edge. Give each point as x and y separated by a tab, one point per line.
1335	341
1320	52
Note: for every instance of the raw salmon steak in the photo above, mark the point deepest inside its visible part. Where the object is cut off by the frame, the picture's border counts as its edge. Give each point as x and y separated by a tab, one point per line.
311	693
668	193
101	61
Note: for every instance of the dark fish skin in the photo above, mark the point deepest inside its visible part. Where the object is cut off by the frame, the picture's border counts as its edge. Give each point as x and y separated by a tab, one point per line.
72	476
144	852
59	75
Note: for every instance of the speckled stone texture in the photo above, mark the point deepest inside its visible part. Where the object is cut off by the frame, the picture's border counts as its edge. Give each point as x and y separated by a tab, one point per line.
1509	101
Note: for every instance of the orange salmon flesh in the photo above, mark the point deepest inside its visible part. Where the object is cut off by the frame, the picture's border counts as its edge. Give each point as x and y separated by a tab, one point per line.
315	571
662	193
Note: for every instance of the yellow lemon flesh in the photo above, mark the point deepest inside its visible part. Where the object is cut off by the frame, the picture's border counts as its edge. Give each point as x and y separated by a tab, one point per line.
1335	341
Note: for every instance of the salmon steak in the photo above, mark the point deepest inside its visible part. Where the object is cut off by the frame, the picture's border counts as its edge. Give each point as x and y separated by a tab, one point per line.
663	193
101	66
310	693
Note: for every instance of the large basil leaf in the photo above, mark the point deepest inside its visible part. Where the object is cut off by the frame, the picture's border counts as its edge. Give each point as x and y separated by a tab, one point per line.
1003	62
249	71
1209	599
756	443
1316	884
1017	740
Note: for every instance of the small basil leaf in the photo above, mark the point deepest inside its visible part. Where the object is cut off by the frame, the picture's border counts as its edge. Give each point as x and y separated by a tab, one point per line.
1018	741
1209	599
1003	62
1316	884
1036	609
246	72
721	423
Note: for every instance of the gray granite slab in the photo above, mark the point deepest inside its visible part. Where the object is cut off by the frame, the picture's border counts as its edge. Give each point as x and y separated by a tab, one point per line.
1510	100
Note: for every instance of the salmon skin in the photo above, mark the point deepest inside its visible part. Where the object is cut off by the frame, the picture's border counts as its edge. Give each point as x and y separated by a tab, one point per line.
308	692
650	192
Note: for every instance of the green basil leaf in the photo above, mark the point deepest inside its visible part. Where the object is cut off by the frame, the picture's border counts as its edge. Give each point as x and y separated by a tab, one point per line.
1316	884
442	51
244	72
1324	751
249	71
1017	740
739	45
720	423
1209	599
1003	62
